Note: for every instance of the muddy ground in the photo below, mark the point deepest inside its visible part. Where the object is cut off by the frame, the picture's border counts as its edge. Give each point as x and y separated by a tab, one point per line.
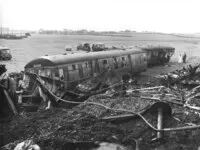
54	128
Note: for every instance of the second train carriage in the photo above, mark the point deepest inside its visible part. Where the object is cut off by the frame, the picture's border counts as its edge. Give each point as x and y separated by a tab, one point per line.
66	71
158	55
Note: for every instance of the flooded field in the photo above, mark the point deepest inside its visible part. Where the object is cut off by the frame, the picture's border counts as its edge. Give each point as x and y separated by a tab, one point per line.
27	49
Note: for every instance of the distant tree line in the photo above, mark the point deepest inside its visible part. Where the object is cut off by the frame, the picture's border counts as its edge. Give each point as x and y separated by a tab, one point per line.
82	32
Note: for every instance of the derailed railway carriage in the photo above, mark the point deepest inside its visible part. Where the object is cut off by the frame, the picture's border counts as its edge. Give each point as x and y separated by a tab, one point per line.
68	70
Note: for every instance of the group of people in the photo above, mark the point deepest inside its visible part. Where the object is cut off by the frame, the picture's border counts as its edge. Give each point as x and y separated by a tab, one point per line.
12	83
182	58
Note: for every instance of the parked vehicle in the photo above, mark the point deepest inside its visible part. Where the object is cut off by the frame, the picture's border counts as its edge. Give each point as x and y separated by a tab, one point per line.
5	53
98	47
68	48
84	47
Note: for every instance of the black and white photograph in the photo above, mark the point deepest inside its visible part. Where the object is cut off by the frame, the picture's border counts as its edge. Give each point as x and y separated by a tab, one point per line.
99	75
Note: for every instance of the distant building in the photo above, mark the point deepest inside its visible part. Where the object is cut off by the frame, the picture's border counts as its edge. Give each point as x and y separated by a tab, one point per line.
4	30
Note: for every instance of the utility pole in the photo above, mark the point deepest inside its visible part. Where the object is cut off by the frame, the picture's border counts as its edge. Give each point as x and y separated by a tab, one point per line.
1	30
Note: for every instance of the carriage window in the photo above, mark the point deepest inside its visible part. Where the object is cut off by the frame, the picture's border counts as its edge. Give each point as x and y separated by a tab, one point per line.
104	65
80	69
48	73
123	62
72	76
155	53
95	65
56	75
115	65
140	59
86	65
73	72
61	74
144	57
41	73
45	73
73	67
32	71
105	62
87	68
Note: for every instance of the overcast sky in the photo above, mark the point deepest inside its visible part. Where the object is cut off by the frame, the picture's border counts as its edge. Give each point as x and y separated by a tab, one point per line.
180	16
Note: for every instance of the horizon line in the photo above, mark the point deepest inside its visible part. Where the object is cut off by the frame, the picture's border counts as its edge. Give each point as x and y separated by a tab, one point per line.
92	30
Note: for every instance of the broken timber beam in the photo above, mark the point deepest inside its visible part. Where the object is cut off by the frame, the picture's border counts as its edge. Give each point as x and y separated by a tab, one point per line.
120	118
156	99
10	102
149	88
160	123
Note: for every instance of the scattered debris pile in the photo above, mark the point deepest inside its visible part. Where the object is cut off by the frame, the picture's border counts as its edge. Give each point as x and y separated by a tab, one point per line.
165	116
188	76
103	81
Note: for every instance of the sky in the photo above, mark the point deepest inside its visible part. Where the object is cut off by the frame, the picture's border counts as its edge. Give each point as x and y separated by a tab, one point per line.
168	16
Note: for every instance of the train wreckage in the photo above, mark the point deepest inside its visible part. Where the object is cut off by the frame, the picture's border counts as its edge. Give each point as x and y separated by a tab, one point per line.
180	88
78	76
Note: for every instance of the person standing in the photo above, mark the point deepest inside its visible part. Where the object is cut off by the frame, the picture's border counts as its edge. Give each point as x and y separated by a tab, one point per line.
180	59
20	90
184	57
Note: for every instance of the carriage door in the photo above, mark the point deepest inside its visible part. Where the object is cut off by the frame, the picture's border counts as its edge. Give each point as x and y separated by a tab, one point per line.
61	78
91	68
80	69
95	66
66	76
131	65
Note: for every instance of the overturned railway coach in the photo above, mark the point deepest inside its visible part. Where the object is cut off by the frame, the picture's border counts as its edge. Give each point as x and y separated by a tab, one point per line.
68	70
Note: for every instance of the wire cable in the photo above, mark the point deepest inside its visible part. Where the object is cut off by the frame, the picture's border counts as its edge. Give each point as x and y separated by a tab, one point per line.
124	110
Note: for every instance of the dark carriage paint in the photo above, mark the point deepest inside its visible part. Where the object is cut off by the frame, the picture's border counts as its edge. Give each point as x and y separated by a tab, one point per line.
78	67
130	61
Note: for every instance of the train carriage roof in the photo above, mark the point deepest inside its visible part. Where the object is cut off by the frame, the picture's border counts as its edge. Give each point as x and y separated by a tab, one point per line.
62	59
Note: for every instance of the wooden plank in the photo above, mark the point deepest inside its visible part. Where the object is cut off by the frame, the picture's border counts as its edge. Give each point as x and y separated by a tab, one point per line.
160	123
149	88
10	102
